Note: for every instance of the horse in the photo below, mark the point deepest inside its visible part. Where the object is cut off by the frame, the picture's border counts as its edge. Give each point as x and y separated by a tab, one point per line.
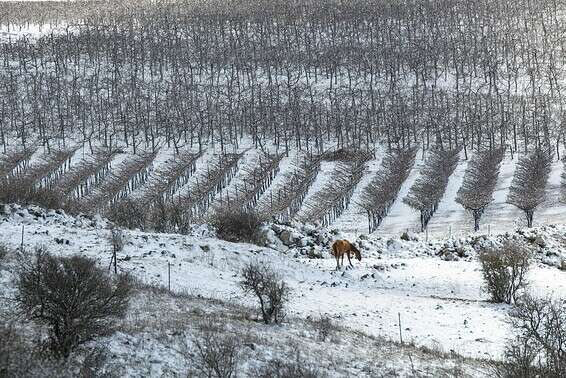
344	247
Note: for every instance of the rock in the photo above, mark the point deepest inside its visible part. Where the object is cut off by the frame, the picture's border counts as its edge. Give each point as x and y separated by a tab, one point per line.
285	237
405	236
539	240
205	248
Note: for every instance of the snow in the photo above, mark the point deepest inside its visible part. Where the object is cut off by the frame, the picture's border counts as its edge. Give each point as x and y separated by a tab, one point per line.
441	303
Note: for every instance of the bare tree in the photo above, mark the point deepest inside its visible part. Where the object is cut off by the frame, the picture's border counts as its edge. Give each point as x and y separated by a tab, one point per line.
270	290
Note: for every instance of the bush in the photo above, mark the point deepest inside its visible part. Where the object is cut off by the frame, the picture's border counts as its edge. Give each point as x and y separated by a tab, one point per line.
271	292
504	270
323	327
217	352
538	349
72	297
24	194
292	367
237	225
127	214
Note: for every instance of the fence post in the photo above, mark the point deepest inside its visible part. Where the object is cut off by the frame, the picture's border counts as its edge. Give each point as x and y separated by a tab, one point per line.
400	332
169	276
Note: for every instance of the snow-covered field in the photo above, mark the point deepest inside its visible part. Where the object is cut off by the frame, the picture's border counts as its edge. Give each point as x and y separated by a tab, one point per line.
440	301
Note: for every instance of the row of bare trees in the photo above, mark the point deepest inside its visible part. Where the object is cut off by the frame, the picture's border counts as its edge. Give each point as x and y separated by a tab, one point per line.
306	76
378	196
426	193
480	179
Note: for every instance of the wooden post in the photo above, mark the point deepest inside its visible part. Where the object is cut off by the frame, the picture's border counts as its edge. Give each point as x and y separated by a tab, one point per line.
115	262
169	275
400	333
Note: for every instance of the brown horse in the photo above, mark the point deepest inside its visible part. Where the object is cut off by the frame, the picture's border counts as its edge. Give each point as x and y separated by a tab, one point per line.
344	247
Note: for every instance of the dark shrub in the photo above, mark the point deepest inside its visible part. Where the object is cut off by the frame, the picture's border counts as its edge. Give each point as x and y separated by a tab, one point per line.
266	285
237	225
70	296
128	214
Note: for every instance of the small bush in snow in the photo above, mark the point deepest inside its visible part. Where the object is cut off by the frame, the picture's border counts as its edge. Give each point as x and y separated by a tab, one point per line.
217	352
270	290
237	225
70	296
324	327
292	367
538	348
504	270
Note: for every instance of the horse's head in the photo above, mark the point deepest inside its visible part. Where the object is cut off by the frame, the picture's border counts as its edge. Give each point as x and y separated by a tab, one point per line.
356	252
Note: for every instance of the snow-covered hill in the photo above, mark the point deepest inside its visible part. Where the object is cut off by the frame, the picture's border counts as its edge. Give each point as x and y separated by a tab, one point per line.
435	287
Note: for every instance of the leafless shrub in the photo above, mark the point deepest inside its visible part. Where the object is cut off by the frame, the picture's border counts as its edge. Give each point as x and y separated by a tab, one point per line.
270	290
382	191
236	225
323	327
70	296
291	367
480	179
16	192
527	189
504	270
538	346
128	214
217	352
427	191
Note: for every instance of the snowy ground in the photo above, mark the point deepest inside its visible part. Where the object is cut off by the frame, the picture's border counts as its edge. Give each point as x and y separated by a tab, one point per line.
441	303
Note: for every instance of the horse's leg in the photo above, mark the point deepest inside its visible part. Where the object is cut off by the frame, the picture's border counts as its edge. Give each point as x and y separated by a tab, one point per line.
337	261
349	260
342	260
